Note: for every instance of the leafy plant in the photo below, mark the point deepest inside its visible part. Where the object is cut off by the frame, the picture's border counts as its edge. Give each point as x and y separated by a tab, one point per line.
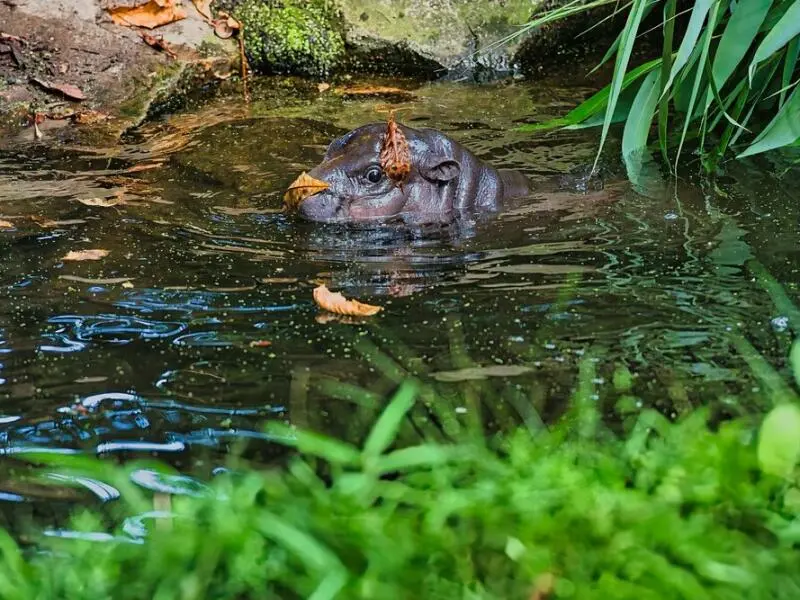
730	80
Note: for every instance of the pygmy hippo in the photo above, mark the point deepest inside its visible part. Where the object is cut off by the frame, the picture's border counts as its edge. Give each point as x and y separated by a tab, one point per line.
445	180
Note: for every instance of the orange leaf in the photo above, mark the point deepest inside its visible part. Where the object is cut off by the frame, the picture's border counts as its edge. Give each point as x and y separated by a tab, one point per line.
338	304
301	188
395	156
6	224
260	344
152	13
94	254
203	7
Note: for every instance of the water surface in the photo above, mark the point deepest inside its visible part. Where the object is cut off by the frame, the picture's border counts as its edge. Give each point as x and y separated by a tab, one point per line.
199	325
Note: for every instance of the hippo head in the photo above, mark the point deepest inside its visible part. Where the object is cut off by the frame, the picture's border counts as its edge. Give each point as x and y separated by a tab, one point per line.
360	191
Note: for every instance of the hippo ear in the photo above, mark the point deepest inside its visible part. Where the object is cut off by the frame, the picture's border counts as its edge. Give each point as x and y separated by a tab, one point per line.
441	170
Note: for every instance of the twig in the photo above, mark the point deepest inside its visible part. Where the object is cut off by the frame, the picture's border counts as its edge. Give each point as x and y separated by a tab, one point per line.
7	37
243	61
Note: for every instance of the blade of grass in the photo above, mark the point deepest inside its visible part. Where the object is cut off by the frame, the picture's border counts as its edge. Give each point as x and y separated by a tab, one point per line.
740	32
621	66
693	30
595	103
778	390
787	28
762	81
637	126
783	130
385	429
789	64
666	65
709	33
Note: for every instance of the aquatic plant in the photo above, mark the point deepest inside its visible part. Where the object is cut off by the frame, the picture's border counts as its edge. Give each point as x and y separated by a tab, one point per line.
671	510
730	81
293	36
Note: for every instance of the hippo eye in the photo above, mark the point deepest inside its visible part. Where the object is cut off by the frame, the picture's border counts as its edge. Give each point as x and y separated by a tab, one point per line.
374	174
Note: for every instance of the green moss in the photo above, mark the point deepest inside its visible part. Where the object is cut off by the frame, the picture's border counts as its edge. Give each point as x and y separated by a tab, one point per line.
292	36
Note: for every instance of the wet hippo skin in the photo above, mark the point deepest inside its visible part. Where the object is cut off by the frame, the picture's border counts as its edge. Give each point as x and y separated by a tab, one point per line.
445	180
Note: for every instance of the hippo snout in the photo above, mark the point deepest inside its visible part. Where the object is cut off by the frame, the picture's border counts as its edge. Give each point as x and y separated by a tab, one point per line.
323	206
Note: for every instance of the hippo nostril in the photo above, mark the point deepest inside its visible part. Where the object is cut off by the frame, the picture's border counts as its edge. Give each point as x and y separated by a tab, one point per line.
320	207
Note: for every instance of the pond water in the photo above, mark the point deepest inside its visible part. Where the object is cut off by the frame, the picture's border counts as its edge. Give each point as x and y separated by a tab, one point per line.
199	324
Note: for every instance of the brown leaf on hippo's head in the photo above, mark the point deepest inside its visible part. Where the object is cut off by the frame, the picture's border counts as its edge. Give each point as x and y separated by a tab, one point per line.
301	188
395	155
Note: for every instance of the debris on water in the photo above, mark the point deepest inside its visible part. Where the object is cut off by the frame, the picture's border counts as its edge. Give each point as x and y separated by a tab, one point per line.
93	254
336	303
163	483
780	324
671	216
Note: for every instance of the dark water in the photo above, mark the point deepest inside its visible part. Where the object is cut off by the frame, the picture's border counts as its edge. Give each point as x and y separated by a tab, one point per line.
161	346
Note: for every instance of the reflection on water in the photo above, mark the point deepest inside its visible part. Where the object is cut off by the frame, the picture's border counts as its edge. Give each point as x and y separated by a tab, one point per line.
199	326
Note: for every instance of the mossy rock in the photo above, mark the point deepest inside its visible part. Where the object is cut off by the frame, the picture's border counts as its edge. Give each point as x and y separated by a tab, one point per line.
291	36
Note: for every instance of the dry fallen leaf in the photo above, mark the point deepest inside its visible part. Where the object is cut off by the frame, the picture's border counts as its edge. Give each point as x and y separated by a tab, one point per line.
375	90
93	254
301	188
338	304
151	14
322	87
478	373
103	202
158	43
203	7
67	89
100	281
89	117
395	156
6	224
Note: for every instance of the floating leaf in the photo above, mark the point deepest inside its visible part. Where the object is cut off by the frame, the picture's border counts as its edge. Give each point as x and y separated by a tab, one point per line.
98	281
474	373
153	13
67	89
779	440
395	156
301	188
94	254
102	202
338	304
260	344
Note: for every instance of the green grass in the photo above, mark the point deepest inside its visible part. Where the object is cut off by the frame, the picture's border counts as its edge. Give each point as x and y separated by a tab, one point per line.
730	81
670	510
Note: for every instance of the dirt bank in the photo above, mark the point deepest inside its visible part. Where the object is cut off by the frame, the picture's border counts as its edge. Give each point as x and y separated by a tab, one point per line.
69	63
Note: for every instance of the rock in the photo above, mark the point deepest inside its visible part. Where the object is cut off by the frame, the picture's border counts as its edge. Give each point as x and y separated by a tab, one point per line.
446	33
75	42
293	36
411	37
